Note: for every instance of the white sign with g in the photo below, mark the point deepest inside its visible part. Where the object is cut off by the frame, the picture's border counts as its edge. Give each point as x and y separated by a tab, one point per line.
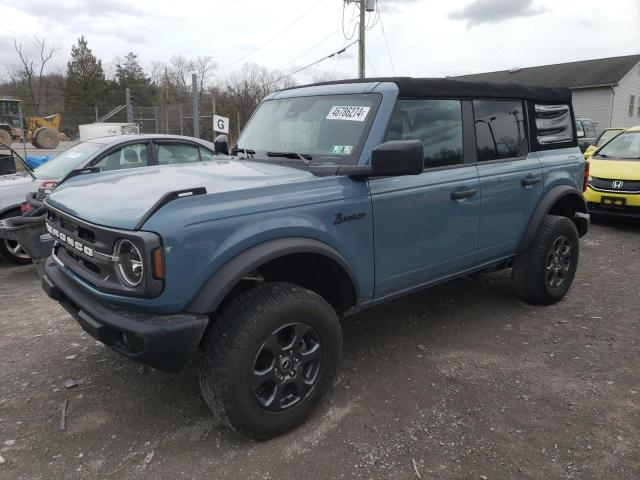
220	124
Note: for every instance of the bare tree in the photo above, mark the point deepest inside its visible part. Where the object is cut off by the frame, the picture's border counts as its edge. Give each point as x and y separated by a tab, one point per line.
32	71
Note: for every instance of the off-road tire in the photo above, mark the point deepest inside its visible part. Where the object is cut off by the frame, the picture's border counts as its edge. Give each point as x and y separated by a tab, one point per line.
5	137
47	138
7	245
531	267
234	342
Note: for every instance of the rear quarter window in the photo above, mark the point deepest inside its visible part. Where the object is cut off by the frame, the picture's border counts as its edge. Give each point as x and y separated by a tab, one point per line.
553	124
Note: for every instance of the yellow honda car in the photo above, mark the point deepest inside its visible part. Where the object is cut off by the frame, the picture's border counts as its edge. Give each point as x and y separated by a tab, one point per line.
614	177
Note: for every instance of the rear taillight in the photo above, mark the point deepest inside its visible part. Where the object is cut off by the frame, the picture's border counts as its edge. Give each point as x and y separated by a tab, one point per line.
585	180
25	207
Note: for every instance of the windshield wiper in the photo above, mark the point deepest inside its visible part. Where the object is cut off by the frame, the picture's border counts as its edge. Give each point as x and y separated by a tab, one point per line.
305	157
248	153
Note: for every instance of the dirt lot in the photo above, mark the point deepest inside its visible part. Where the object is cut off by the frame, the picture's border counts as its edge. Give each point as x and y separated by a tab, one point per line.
463	381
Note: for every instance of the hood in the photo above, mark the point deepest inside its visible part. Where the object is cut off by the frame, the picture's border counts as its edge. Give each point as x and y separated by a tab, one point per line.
14	179
121	199
615	169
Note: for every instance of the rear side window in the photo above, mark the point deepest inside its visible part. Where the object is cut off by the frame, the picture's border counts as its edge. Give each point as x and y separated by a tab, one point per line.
500	129
553	124
438	123
173	153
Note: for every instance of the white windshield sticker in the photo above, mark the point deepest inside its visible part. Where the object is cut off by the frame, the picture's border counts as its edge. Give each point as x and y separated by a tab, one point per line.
344	112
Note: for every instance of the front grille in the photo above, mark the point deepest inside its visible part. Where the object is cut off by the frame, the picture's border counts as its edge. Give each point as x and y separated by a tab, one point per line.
87	250
77	248
626	211
614	186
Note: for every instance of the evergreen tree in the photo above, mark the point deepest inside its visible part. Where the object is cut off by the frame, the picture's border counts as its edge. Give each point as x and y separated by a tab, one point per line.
85	85
130	74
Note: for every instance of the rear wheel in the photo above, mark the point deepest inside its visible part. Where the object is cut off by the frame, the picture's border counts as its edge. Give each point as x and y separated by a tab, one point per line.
5	137
47	138
270	357
544	271
10	250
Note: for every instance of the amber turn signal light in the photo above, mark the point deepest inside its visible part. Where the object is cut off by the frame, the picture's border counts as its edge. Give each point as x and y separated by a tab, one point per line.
157	258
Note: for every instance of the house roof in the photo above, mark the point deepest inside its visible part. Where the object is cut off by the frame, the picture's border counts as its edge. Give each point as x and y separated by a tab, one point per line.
457	88
587	73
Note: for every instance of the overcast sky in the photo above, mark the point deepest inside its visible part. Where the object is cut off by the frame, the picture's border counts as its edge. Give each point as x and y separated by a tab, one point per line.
425	37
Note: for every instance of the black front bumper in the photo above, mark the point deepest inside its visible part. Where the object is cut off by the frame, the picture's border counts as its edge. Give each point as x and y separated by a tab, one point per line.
165	342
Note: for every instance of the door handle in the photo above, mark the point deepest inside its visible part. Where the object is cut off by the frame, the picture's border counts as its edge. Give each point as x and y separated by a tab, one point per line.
529	181
463	194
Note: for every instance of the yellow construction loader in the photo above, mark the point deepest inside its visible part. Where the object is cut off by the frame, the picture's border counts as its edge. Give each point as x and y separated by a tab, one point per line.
42	132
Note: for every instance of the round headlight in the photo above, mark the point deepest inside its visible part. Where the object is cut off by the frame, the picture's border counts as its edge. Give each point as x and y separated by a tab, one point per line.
130	265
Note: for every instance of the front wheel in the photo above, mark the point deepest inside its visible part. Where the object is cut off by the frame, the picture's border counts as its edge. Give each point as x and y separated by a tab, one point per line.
543	273
270	357
10	250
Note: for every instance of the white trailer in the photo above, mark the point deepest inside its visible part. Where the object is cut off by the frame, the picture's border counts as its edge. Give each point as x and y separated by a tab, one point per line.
95	130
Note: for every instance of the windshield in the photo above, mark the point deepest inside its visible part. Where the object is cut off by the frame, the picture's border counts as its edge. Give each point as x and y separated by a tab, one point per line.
68	160
606	136
625	146
329	128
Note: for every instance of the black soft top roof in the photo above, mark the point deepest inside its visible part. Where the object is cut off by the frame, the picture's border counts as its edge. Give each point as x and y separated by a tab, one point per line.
448	87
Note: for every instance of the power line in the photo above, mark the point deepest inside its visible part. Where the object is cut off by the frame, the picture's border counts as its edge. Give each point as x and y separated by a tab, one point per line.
337	52
371	65
310	49
386	43
304	14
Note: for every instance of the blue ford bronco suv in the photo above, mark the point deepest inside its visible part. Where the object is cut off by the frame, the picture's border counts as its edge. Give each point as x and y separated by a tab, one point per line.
336	197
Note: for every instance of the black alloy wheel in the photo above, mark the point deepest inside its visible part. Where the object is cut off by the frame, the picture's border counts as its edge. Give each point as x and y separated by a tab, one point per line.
286	367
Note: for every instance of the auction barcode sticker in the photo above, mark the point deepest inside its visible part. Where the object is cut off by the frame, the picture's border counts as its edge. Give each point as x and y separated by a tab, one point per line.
345	112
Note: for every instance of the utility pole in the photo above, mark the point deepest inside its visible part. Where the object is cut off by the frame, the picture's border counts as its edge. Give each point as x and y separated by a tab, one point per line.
127	96
365	6
361	54
196	110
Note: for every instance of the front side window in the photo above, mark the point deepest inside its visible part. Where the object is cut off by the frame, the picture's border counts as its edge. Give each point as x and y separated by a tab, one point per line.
329	127
589	128
174	153
625	146
206	155
437	123
500	129
128	156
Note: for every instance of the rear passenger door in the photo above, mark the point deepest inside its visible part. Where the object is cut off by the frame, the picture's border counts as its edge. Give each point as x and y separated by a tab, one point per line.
426	226
510	178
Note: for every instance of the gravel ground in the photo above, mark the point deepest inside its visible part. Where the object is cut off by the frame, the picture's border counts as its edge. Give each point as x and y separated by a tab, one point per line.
462	381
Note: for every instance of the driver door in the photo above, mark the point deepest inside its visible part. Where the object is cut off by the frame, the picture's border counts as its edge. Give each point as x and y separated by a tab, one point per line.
426	226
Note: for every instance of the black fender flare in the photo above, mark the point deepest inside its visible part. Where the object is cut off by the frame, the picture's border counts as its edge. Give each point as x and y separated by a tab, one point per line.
216	288
546	203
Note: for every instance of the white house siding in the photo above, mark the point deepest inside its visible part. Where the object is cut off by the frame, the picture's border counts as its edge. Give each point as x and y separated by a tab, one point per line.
593	103
629	85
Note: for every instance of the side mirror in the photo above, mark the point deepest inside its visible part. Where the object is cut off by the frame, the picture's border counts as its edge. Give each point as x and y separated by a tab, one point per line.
580	134
221	144
7	164
398	157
